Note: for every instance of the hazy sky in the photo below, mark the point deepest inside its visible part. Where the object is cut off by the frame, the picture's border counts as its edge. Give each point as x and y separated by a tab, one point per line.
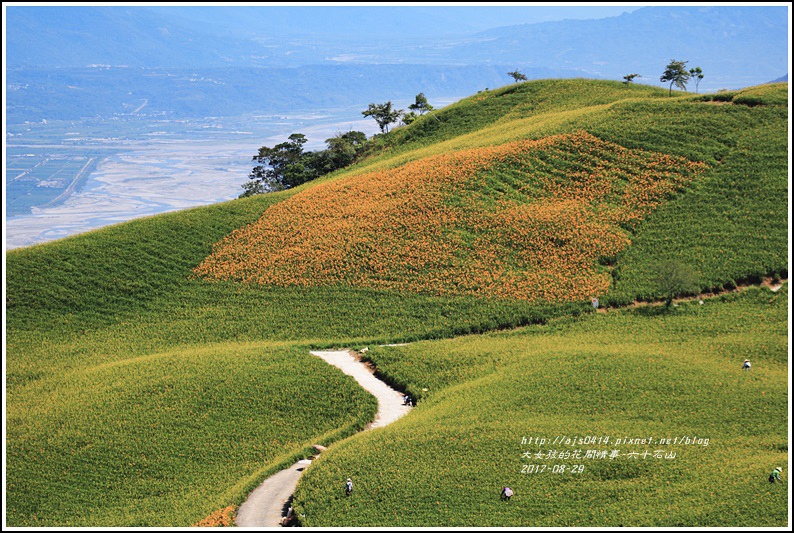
368	17
487	14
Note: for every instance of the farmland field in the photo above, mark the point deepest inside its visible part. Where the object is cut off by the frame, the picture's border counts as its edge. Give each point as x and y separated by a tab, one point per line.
69	177
619	385
57	173
159	369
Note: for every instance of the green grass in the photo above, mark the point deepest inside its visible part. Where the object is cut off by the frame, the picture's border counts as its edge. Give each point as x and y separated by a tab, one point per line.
103	274
167	438
512	102
731	225
112	326
139	395
643	373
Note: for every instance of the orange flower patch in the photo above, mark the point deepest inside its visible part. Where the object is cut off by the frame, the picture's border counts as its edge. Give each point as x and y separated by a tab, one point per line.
220	518
528	220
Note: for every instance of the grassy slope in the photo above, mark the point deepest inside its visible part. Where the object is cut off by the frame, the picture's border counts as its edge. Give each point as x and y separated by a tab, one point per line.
121	302
741	136
141	351
168	438
522	221
636	373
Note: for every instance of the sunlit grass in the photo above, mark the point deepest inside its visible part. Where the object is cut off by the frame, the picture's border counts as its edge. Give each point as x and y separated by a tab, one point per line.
140	394
642	374
167	438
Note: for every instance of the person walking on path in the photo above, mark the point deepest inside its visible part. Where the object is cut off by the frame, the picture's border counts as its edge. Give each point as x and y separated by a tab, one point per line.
746	365
774	477
289	518
348	487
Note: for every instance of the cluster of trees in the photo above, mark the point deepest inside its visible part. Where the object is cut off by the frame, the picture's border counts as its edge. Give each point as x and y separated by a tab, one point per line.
676	73
287	165
385	114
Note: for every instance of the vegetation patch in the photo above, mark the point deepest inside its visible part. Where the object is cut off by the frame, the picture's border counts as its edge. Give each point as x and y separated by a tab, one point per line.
166	439
220	518
139	394
527	220
624	381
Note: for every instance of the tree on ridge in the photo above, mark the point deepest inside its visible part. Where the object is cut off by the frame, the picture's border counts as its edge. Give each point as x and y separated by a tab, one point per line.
384	114
677	74
697	75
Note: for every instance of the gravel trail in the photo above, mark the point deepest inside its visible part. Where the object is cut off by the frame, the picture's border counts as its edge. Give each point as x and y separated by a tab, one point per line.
266	504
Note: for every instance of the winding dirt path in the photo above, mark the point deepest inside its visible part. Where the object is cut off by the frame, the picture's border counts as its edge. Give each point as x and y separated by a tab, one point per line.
390	401
266	504
772	284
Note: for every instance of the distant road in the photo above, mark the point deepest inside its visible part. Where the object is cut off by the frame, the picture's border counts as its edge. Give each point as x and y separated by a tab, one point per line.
28	171
145	101
72	186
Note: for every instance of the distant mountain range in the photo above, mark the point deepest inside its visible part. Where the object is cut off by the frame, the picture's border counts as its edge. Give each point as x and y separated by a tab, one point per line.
735	46
213	36
309	55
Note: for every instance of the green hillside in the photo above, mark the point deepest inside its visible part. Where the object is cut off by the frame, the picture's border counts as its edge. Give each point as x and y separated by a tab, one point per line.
158	370
621	375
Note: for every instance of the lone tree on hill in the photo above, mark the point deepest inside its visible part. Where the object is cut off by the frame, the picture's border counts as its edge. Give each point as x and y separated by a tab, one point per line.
630	78
673	278
697	75
517	76
421	104
384	114
677	74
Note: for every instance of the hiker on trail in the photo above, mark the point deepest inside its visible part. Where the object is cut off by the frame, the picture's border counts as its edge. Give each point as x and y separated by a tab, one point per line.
407	400
775	475
746	365
507	492
287	520
348	487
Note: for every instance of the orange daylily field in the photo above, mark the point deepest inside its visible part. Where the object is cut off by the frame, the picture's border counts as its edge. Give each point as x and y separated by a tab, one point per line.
524	220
